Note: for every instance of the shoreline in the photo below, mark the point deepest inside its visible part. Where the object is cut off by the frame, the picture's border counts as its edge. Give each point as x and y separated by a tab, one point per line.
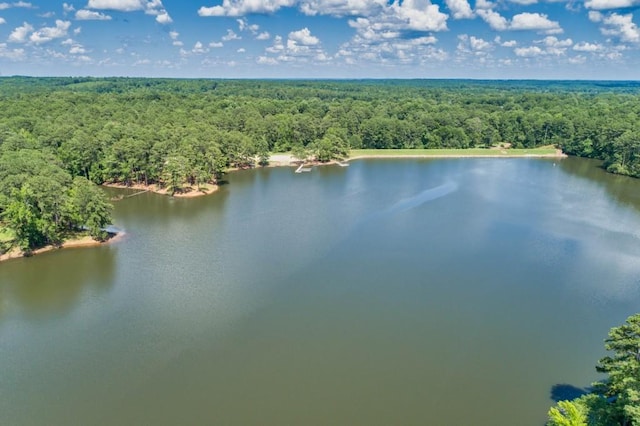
283	159
190	192
371	156
275	160
288	160
84	241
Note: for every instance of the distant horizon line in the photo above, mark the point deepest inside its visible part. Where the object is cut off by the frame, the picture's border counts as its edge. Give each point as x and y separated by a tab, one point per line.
321	78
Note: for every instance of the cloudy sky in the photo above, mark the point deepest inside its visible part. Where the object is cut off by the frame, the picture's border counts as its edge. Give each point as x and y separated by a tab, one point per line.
501	39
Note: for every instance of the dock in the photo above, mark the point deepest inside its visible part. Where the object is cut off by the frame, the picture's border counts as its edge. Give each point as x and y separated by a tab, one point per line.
302	169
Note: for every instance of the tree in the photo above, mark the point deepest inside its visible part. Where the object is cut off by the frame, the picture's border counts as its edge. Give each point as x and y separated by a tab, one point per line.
332	145
89	208
568	413
174	172
22	217
79	154
623	370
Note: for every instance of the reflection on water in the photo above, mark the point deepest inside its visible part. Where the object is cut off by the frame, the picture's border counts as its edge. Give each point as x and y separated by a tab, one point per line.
623	189
52	284
279	301
423	197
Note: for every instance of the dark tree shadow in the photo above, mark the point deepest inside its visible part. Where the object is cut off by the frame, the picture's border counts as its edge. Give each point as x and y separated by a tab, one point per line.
563	392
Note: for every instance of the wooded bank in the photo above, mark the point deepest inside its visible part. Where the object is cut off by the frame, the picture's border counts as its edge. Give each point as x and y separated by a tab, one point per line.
59	136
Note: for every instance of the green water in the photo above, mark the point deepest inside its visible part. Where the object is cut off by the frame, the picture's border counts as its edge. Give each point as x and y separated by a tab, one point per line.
413	292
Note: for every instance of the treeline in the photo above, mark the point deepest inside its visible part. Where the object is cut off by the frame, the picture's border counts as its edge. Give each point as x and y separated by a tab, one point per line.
171	132
161	130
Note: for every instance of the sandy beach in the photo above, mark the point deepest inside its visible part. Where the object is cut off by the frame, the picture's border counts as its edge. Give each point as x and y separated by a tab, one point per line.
187	191
85	241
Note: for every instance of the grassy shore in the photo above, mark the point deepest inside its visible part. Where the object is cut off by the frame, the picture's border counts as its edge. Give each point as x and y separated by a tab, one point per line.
287	159
456	153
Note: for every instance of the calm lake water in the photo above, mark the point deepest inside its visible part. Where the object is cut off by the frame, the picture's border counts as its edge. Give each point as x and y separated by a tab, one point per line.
412	292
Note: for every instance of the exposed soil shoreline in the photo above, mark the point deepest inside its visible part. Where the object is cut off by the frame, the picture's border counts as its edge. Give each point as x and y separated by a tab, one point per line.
186	191
84	241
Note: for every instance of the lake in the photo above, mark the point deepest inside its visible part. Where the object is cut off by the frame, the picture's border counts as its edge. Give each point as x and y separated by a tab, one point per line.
413	292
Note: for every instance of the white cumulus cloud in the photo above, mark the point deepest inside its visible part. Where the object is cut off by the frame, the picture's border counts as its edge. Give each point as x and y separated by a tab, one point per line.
555	46
595	16
528	52
91	15
588	47
19	34
277	46
120	5
199	48
534	21
578	60
231	35
343	7
304	37
479	44
420	15
237	8
11	54
494	19
551	41
164	18
77	50
508	43
243	25
150	7
23	4
244	7
265	60
523	21
460	9
610	4
47	34
621	26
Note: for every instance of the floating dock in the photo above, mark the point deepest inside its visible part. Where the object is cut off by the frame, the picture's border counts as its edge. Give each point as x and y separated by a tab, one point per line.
303	169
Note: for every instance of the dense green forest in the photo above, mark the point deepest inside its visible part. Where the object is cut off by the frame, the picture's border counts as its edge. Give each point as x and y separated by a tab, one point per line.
616	399
172	131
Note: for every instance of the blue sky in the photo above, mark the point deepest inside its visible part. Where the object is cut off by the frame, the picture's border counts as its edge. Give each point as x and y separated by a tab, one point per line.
496	39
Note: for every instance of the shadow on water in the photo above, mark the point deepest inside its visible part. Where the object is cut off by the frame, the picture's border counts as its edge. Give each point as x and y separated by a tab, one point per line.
564	391
57	284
